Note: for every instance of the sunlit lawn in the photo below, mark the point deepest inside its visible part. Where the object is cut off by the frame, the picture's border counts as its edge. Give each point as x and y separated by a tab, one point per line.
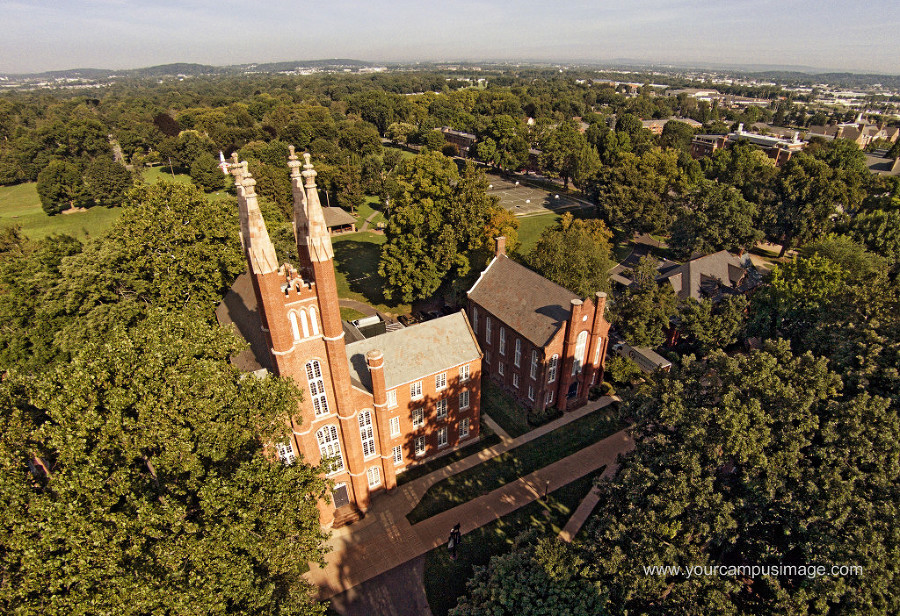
20	205
512	465
356	268
445	578
530	228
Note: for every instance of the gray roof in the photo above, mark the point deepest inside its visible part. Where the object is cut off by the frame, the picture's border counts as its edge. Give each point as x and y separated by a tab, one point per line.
415	352
706	276
337	217
526	301
239	310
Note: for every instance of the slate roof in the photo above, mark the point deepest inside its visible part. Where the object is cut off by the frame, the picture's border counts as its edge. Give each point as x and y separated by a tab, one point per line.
526	301
239	310
416	351
707	276
337	217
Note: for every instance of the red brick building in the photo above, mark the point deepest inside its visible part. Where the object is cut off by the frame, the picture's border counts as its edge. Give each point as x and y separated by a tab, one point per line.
541	342
370	405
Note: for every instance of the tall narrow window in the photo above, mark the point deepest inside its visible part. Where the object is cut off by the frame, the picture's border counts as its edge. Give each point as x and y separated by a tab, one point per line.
316	387
392	398
464	373
366	434
286	453
398	455
502	340
531	392
551	369
420	445
395	426
442	436
487	329
597	351
442	408
295	329
440	381
549	397
374	476
501	368
330	446
475	318
580	349
464	399
464	427
304	324
415	390
534	364
314	321
418	418
516	380
517	358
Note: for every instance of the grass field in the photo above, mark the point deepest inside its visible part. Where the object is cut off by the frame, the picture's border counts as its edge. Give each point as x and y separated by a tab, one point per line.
356	268
503	409
530	228
445	579
20	205
516	463
488	439
366	210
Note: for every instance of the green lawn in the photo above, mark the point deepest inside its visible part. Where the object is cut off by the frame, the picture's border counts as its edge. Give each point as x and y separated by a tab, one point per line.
503	409
514	464
356	268
152	175
349	314
20	205
365	210
445	579
530	228
488	439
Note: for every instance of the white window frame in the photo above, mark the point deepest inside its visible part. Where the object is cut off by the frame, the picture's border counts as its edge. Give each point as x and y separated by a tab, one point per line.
392	399
304	325
549	397
330	446
531	392
420	447
415	390
501	369
534	365
552	367
487	357
442	437
441	408
286	452
295	329
367	434
580	351
502	340
517	355
397	453
464	373
463	428
440	381
418	417
475	318
464	399
597	351
313	321
516	380
316	383
487	329
373	474
395	427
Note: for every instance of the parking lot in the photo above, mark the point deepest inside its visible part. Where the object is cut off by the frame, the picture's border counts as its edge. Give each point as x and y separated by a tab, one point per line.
524	200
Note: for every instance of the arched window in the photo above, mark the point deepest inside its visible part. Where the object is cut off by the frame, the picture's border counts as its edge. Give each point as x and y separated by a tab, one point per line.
366	434
317	387
303	324
580	349
292	317
314	321
330	446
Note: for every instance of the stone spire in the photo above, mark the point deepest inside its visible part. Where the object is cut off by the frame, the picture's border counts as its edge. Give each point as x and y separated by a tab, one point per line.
318	239
254	236
301	223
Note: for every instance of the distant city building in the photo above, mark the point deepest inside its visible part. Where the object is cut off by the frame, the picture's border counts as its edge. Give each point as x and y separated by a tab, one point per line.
462	140
777	148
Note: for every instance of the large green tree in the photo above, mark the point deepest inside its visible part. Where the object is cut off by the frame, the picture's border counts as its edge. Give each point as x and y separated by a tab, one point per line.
61	187
643	312
135	481
752	460
574	254
437	216
107	181
714	217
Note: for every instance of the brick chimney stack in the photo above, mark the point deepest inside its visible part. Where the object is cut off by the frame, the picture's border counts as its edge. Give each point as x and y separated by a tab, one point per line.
500	246
375	362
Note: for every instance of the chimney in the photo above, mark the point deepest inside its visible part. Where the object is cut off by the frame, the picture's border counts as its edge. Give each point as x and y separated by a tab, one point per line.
500	246
375	362
601	304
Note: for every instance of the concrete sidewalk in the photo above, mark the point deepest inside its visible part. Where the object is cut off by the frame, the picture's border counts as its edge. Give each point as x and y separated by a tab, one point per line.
384	539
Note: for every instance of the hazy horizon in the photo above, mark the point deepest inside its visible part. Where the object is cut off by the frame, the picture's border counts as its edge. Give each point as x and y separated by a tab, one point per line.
123	34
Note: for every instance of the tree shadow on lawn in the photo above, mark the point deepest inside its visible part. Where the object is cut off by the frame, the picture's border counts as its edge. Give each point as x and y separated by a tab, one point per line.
357	262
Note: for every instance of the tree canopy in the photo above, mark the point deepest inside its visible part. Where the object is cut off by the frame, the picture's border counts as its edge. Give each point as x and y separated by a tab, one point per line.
574	254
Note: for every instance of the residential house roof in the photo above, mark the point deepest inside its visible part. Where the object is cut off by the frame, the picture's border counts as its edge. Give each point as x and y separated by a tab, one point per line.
337	217
526	301
707	276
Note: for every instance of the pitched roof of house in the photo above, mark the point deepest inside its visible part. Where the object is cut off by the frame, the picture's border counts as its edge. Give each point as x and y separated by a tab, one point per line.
337	217
415	352
526	301
705	276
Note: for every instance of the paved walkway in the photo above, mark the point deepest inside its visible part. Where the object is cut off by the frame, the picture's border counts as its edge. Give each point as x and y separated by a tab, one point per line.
385	539
583	512
493	425
371	217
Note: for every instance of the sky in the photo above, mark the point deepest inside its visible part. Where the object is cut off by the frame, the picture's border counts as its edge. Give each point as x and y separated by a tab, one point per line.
117	34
